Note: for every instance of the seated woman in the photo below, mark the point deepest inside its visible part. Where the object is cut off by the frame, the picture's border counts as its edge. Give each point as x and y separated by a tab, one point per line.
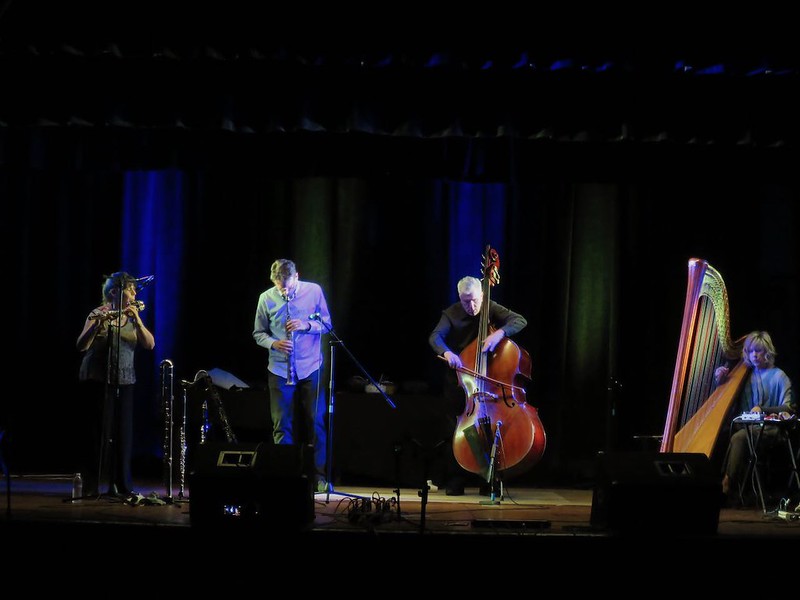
767	390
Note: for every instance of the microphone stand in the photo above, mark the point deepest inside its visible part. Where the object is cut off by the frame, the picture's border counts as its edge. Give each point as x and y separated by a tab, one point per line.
331	402
112	405
4	471
490	478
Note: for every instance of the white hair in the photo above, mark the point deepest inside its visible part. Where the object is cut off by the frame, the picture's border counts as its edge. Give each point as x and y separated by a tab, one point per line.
467	283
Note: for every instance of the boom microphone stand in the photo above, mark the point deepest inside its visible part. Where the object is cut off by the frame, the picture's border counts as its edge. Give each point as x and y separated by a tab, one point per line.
331	401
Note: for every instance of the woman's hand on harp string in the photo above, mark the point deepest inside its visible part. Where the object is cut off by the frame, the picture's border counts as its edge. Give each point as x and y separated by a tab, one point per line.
721	374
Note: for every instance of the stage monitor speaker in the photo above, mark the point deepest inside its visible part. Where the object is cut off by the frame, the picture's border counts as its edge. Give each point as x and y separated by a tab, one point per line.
645	492
250	485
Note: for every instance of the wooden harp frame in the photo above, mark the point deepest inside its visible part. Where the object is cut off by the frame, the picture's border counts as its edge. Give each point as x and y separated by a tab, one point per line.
697	411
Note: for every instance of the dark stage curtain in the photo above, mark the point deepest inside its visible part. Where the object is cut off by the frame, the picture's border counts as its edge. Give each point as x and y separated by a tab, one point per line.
597	268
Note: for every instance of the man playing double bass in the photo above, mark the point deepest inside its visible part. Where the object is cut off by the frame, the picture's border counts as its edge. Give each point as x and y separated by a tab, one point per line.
456	329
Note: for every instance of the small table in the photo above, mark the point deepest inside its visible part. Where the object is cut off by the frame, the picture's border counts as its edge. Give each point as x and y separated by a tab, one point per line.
755	428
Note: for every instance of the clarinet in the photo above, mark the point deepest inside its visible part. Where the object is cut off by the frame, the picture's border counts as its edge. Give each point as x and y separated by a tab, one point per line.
183	449
291	370
167	402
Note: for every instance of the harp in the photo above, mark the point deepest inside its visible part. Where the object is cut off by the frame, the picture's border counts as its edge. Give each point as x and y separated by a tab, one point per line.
697	410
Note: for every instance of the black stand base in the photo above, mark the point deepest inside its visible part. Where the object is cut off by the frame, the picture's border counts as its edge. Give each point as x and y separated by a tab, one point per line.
496	491
331	491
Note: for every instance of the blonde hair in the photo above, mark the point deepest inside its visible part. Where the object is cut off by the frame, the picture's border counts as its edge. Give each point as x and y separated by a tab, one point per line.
759	340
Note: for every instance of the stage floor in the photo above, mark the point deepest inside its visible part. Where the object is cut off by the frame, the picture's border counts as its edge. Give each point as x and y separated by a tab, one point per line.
43	500
359	538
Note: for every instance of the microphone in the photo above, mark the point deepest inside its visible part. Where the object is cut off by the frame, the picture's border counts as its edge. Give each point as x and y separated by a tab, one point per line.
143	282
314	317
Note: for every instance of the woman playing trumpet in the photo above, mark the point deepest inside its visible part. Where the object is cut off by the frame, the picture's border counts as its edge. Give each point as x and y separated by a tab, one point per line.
110	335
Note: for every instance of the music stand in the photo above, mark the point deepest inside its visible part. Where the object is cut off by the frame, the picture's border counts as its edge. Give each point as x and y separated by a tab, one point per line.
331	402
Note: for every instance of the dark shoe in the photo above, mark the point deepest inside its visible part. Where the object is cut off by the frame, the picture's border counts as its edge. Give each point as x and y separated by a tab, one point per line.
118	492
455	486
455	490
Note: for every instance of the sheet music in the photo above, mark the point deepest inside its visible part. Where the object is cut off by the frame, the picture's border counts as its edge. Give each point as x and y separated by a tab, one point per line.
225	380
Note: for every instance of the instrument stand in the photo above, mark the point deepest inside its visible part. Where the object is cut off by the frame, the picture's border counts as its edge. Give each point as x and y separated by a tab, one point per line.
331	402
181	498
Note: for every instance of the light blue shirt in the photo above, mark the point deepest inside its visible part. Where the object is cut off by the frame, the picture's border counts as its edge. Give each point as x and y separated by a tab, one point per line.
272	312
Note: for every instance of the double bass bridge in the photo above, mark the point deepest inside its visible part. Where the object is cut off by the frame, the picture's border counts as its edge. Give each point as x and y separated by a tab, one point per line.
483	397
478	400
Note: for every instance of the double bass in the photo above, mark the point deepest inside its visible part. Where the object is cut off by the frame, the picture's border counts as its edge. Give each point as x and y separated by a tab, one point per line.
498	433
